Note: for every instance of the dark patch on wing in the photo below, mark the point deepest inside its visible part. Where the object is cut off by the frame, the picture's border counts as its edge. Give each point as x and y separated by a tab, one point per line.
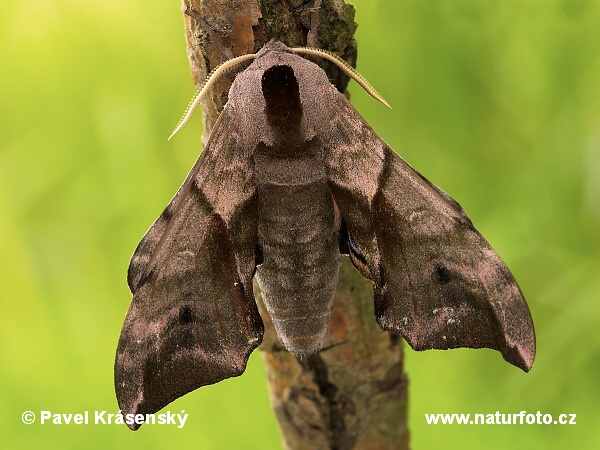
442	274
186	315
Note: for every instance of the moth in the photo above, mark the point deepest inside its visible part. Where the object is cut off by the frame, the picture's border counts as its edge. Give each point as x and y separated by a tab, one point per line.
291	178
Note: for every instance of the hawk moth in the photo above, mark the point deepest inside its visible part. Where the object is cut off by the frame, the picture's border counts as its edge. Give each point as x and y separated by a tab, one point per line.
291	178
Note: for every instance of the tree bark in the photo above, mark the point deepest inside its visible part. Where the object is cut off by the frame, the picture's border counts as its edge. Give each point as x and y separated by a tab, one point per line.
353	393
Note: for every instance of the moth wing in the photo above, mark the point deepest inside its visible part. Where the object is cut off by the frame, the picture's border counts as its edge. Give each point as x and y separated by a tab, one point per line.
437	281
193	319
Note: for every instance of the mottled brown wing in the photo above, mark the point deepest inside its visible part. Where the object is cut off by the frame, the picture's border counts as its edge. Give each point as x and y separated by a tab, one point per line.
437	281
193	319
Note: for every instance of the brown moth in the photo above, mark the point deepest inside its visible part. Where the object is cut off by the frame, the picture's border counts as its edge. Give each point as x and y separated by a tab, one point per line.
291	178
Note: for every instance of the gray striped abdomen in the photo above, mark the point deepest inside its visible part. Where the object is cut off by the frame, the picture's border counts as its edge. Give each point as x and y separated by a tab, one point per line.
298	276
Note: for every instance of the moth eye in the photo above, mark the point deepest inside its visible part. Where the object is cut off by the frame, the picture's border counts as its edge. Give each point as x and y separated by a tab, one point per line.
259	256
185	314
442	273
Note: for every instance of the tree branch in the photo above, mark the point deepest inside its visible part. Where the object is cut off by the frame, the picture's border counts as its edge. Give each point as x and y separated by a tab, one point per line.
353	393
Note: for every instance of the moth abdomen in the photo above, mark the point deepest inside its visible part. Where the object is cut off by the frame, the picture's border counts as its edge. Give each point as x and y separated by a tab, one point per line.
298	276
303	336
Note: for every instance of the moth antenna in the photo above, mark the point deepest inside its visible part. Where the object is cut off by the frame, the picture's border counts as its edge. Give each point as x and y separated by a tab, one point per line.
347	68
212	77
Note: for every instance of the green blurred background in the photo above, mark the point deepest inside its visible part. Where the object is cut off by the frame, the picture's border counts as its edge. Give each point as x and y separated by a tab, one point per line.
497	102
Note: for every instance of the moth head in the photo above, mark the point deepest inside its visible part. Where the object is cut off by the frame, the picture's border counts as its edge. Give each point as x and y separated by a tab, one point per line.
273	46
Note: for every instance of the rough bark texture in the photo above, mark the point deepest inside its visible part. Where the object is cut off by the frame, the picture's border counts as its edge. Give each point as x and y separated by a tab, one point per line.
353	394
